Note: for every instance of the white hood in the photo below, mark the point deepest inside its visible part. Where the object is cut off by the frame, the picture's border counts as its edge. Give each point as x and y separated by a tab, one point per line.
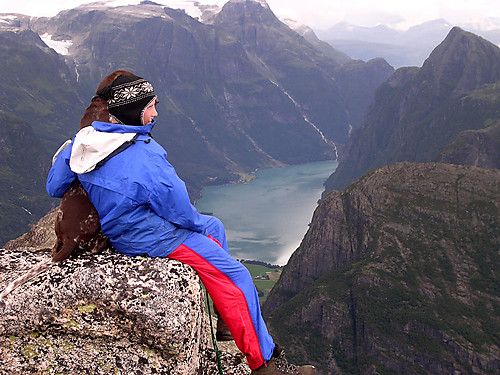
91	146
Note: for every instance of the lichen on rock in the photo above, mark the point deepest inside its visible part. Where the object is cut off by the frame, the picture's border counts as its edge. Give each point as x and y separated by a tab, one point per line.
106	313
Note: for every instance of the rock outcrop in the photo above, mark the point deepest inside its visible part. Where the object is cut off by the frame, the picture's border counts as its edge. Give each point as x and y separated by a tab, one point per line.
398	273
479	148
105	313
41	235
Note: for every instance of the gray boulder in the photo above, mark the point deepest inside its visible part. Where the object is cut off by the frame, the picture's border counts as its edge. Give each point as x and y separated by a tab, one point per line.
107	313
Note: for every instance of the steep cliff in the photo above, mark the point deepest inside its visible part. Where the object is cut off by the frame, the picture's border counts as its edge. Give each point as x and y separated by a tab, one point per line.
37	103
23	167
417	112
398	273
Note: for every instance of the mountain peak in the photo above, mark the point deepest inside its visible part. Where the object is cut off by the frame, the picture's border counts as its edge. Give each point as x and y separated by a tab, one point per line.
251	11
462	62
455	30
202	12
261	2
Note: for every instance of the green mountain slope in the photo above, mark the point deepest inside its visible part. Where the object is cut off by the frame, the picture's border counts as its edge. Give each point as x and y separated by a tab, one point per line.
23	169
39	109
397	274
474	147
37	86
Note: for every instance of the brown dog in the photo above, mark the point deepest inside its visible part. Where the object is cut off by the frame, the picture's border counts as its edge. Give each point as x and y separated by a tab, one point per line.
77	223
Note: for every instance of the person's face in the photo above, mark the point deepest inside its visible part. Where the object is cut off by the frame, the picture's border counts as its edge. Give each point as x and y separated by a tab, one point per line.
150	112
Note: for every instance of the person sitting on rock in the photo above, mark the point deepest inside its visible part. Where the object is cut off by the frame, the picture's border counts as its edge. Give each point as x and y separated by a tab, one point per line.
144	209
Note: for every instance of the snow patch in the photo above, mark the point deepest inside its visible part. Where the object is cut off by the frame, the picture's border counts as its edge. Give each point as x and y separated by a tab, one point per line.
291	23
296	26
60	46
9	17
192	8
119	3
261	2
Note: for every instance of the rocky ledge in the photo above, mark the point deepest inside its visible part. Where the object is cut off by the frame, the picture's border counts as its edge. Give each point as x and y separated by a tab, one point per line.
106	313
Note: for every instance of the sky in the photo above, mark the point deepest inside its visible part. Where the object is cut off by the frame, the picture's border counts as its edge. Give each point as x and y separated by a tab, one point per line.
322	14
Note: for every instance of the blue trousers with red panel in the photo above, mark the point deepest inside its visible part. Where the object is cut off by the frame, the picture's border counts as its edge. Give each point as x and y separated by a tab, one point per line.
231	288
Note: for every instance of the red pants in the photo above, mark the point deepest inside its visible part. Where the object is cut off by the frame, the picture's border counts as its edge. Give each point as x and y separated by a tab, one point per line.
231	288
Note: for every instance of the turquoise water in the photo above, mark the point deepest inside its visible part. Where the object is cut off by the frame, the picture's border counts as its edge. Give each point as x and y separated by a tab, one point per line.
267	218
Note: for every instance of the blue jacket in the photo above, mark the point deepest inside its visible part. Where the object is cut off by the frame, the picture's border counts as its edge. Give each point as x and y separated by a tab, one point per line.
143	205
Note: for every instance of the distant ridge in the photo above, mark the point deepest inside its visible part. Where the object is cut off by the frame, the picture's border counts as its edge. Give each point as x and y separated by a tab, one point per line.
419	111
401	48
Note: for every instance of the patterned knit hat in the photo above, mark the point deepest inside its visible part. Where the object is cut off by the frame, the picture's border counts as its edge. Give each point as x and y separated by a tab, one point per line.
128	97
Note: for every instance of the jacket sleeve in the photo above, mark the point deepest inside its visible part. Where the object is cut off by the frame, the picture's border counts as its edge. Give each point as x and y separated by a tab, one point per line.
170	200
60	175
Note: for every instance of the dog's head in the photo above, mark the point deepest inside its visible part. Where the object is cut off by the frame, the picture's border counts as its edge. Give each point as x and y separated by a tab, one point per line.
98	108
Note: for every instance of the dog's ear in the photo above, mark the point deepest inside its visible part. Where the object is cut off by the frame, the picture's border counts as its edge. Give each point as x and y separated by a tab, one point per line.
96	111
108	80
98	108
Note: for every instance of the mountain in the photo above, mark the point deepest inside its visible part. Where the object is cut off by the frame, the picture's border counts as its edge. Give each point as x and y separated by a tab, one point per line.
37	85
239	90
38	106
307	78
397	274
400	47
23	168
358	81
209	82
419	111
311	37
344	30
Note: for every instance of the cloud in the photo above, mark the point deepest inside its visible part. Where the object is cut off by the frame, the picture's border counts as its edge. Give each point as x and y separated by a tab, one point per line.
402	14
38	8
321	13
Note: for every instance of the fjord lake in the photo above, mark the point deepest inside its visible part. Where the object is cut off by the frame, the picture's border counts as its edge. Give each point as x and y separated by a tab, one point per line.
266	218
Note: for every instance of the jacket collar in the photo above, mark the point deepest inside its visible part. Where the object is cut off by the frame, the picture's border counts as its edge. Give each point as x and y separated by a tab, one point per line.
120	128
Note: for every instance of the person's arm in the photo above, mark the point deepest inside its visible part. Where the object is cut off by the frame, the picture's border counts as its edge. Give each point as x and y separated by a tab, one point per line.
169	199
60	175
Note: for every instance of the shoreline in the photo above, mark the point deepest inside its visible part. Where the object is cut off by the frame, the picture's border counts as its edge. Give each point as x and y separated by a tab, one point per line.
259	219
246	177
